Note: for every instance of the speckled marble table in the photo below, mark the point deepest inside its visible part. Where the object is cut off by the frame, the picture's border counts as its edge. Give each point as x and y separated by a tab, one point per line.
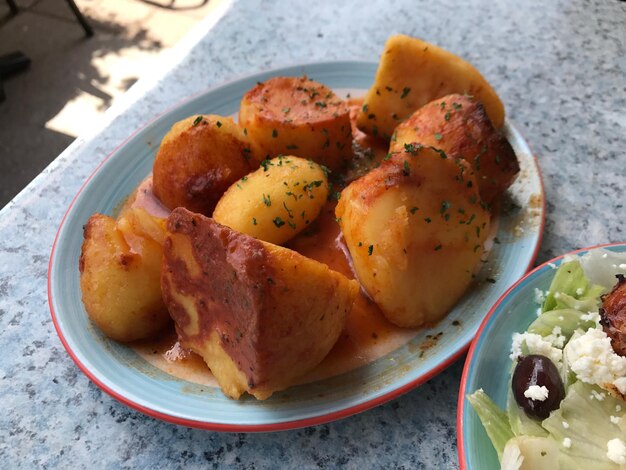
559	66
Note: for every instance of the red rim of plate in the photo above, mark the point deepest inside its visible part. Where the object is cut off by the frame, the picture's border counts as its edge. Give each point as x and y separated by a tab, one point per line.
286	425
470	355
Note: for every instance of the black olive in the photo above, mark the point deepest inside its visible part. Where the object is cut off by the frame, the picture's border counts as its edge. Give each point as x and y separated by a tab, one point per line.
536	369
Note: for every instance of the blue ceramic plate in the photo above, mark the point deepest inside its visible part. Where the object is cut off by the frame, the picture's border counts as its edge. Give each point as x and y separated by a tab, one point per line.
119	371
487	365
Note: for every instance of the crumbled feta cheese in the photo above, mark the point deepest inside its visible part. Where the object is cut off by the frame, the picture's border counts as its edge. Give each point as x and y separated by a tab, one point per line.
620	384
580	291
622	266
556	338
565	425
540	296
537	393
552	266
591	316
557	295
598	396
604	255
615	419
561	318
593	360
539	312
567	442
616	451
618	407
536	345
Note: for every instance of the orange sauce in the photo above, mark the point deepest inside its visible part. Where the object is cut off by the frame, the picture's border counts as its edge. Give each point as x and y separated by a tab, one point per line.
367	335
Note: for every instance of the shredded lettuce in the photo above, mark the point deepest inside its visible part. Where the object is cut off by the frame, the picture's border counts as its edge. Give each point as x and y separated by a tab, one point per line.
521	424
570	289
530	453
567	319
588	426
494	420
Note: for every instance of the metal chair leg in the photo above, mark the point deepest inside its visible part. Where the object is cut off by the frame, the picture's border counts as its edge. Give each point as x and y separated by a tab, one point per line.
81	19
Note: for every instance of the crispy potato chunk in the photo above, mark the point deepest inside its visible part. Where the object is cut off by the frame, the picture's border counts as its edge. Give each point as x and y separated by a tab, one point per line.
415	230
412	73
260	315
199	158
297	116
613	315
459	126
277	201
120	266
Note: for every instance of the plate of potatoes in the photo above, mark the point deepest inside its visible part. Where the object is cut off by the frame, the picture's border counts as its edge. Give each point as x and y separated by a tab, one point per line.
299	245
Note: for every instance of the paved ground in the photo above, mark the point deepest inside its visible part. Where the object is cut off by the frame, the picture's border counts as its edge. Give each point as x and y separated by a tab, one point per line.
74	79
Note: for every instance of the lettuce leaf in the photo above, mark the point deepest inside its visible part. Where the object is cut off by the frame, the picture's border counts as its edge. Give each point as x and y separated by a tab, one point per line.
589	426
567	319
494	420
570	288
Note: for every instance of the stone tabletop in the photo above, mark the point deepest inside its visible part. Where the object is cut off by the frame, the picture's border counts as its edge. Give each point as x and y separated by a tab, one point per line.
559	66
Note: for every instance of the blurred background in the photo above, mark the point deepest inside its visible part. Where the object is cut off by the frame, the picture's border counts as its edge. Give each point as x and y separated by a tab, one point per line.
72	77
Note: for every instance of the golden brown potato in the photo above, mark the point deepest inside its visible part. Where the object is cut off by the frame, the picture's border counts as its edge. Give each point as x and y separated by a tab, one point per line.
297	116
120	266
415	229
260	315
199	158
277	201
412	73
459	126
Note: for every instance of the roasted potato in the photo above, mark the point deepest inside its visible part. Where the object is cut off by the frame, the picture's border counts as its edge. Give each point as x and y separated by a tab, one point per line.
120	267
415	229
412	73
297	116
199	158
277	201
260	315
459	126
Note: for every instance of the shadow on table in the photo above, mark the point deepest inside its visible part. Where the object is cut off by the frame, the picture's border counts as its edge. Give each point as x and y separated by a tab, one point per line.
64	65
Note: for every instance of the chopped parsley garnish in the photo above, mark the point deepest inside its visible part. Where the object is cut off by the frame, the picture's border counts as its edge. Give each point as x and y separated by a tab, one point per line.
364	108
407	170
438	136
312	184
414	210
274	133
253	221
445	205
218	124
266	164
405	91
412	148
438	247
370	250
278	222
197	121
266	200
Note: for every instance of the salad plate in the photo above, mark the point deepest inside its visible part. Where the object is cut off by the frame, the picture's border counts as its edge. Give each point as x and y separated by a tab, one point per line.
121	372
488	365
